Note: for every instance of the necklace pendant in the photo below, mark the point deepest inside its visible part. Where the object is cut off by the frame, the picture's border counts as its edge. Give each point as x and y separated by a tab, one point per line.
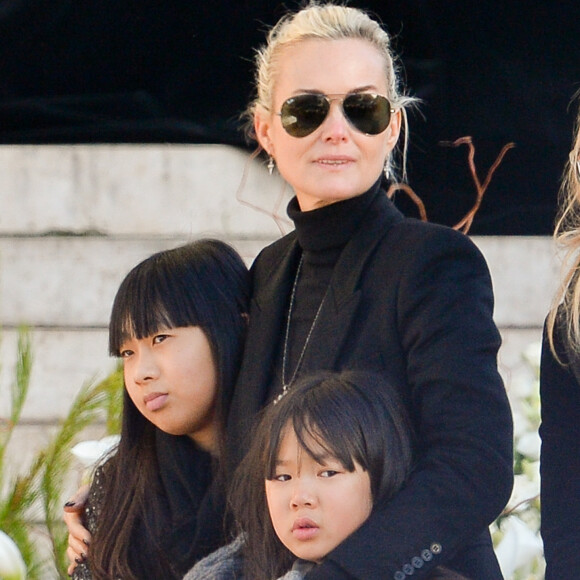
279	397
286	384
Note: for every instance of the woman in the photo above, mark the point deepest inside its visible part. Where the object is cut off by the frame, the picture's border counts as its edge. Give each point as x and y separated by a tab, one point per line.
359	286
560	393
155	506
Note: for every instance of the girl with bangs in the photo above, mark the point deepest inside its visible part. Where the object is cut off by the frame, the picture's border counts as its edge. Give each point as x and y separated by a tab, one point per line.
322	458
177	324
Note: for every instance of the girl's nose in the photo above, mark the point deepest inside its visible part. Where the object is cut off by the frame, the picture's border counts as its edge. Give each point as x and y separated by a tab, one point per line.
303	494
144	369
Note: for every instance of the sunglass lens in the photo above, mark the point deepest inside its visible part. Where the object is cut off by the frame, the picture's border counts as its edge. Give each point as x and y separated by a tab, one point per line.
303	114
369	113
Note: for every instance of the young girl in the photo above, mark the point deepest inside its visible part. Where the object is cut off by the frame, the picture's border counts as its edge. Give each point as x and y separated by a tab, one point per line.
177	323
331	449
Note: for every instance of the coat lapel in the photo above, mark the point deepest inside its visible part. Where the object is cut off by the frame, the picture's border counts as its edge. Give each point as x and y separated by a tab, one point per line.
267	311
338	313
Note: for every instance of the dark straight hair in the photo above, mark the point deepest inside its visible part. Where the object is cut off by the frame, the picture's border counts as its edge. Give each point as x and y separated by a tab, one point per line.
204	283
354	416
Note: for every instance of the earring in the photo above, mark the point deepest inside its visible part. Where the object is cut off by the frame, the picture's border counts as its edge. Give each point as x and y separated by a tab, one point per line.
271	165
387	169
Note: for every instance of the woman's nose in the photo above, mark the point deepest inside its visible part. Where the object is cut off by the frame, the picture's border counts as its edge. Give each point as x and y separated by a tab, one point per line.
335	125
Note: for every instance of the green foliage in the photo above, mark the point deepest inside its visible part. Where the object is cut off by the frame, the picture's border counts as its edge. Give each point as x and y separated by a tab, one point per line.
18	392
91	401
36	494
23	492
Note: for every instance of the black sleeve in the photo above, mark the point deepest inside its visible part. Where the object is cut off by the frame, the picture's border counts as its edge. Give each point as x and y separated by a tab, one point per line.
560	462
464	474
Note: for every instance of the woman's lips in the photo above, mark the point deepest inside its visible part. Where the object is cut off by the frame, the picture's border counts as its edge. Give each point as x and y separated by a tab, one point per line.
304	529
154	401
334	161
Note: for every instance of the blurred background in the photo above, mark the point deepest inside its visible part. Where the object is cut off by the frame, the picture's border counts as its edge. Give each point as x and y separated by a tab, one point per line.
179	71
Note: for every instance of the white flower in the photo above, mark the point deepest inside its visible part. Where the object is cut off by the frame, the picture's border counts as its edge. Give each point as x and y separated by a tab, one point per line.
525	488
516	536
533	355
529	444
522	424
521	387
519	546
12	565
89	452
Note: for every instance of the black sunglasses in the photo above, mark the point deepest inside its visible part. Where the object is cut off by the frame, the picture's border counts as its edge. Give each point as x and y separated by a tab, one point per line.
369	113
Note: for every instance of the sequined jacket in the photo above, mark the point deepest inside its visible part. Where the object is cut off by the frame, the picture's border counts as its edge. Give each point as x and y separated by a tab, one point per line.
91	517
192	508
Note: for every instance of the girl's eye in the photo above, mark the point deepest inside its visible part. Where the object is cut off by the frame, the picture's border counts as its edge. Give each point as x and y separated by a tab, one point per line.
328	473
159	338
282	477
125	353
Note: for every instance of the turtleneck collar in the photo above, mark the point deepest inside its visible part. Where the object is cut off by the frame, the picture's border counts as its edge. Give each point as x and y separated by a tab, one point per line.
333	225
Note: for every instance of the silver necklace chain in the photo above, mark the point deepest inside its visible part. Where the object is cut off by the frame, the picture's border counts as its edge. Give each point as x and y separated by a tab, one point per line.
287	384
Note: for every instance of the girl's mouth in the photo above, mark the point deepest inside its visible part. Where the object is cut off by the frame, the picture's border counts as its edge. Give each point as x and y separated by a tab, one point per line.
304	529
154	401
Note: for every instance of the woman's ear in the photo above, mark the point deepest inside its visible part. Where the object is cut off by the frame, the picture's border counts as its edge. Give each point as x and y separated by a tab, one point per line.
262	126
394	129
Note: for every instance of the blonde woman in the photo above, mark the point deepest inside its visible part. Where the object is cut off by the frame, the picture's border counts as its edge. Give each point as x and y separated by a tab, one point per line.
359	286
560	391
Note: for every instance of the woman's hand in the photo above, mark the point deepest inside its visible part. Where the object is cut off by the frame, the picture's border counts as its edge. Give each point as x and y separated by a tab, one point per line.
79	537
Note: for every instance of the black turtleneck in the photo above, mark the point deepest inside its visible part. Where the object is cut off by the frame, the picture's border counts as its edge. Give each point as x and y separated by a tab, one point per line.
322	235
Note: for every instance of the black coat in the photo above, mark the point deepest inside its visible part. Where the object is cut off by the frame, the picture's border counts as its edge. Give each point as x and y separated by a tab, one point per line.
414	301
560	460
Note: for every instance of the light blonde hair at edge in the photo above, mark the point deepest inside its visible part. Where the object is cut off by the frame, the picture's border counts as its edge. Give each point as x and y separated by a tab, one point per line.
567	235
327	21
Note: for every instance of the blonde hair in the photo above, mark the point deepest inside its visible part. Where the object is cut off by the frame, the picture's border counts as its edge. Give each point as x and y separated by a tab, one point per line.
567	235
325	22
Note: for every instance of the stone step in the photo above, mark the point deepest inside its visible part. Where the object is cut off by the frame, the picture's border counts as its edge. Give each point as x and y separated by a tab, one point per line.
64	360
66	281
525	271
71	281
137	189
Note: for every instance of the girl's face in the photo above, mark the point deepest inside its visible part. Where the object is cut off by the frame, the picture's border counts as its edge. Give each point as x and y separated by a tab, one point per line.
336	161
315	506
171	378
